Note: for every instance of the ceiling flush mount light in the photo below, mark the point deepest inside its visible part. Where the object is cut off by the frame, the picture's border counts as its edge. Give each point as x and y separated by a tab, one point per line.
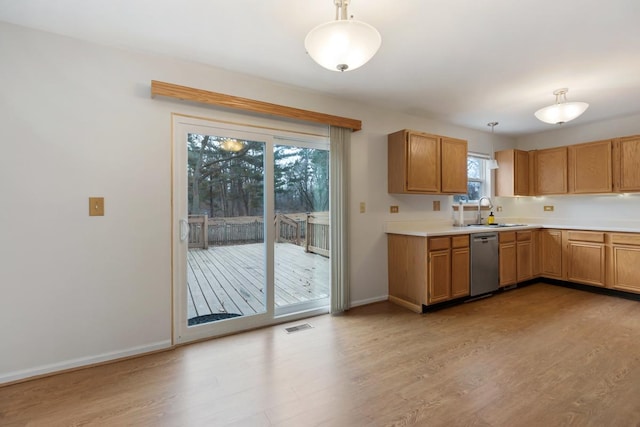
492	163
562	111
343	44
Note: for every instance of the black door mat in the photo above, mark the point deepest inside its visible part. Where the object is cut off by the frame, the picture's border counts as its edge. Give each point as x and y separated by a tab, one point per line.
207	318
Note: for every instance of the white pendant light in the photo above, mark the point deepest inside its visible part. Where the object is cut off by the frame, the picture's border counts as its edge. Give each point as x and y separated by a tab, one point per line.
344	44
562	111
492	163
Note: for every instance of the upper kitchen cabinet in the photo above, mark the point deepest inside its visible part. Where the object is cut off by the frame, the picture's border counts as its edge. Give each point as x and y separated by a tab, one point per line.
590	168
626	158
550	171
421	163
453	165
512	177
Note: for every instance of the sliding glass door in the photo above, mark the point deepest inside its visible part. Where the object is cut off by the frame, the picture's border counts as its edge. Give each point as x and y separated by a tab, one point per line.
250	228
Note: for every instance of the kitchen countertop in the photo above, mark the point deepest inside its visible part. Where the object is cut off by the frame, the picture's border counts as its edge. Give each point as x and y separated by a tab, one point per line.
422	229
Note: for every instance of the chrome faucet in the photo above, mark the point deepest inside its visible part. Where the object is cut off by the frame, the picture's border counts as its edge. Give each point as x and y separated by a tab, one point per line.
479	218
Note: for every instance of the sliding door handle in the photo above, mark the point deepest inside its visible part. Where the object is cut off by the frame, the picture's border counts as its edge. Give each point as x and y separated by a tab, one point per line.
184	229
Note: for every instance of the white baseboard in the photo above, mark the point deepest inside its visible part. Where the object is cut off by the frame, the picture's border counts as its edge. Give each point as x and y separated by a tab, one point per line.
369	301
83	361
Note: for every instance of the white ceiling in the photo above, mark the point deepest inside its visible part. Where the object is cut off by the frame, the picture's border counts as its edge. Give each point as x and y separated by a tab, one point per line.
461	61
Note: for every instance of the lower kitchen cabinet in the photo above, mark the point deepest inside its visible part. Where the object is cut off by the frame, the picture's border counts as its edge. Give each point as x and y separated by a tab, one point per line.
551	253
439	262
586	257
516	257
427	270
449	273
407	263
624	262
507	258
524	255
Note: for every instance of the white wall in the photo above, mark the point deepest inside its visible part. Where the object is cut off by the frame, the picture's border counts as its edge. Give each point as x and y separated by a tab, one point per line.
603	210
78	121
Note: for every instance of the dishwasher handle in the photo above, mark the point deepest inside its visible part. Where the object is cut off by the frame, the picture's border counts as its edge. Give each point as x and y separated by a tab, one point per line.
485	238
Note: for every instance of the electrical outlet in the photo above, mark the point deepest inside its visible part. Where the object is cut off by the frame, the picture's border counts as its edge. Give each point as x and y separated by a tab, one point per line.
499	209
363	207
436	205
394	209
548	208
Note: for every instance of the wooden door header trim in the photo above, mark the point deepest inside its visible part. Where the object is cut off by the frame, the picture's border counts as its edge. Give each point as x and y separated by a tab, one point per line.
185	93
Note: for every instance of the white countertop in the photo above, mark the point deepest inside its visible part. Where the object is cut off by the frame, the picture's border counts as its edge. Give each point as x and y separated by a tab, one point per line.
426	229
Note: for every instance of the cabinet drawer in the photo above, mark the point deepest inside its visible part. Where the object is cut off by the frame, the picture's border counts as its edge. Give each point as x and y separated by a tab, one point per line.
586	236
522	236
437	243
507	236
625	239
460	241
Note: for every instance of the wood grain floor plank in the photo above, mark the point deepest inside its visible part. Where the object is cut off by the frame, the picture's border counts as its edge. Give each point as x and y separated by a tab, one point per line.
537	356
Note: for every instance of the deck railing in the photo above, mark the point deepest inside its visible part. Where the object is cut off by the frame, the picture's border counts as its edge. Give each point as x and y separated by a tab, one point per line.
317	234
310	230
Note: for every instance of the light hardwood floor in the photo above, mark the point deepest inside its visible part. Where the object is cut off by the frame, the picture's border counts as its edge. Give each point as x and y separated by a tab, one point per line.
537	356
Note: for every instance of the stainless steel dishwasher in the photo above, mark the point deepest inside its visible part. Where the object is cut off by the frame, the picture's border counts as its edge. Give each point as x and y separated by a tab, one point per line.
484	263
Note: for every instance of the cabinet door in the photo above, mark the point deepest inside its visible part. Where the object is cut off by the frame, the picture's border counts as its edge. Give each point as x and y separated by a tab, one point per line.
626	268
524	260
551	253
551	171
625	164
535	249
586	263
423	163
460	274
590	168
521	173
454	165
512	176
507	262
439	276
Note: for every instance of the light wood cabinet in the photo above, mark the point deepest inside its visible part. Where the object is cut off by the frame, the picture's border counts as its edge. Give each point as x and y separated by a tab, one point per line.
524	256
507	258
551	253
460	267
535	248
624	262
550	171
586	257
421	163
449	270
590	167
626	158
453	165
427	270
516	257
407	263
512	175
439	288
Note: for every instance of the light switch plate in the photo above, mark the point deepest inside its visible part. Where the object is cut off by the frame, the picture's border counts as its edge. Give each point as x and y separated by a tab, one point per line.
394	209
363	207
436	205
96	206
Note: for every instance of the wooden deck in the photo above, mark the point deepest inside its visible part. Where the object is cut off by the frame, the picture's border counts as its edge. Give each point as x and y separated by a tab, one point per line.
231	279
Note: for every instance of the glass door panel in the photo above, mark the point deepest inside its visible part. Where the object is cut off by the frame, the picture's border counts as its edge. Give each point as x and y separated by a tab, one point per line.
226	256
301	247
